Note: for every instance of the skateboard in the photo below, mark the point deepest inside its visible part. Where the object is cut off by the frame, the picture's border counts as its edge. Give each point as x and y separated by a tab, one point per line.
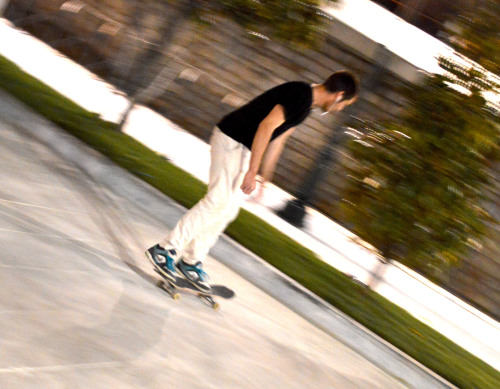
183	284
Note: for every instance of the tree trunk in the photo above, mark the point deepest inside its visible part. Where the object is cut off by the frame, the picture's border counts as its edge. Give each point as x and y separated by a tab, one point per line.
140	74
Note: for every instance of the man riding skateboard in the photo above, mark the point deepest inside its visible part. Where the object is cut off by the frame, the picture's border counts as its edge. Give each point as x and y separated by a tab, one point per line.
237	145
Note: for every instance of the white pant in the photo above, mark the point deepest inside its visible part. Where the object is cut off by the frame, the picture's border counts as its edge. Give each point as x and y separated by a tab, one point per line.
198	230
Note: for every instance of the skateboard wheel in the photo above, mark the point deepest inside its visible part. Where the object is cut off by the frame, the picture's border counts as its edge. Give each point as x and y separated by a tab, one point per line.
176	296
216	306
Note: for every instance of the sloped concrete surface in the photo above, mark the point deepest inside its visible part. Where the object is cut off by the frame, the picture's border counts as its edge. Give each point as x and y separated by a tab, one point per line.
78	301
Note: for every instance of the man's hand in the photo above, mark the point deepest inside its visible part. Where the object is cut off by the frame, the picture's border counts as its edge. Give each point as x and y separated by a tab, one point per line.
258	195
249	182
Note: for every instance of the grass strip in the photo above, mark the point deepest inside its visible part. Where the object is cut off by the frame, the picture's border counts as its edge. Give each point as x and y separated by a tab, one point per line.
368	308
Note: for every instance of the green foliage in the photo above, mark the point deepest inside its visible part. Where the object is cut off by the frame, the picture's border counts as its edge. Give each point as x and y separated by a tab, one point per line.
478	33
370	309
471	77
290	21
298	22
417	187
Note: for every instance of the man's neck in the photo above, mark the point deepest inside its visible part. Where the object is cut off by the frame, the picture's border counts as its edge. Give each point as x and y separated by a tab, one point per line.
318	92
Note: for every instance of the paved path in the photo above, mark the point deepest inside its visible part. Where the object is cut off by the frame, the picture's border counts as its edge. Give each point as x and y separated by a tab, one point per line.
79	306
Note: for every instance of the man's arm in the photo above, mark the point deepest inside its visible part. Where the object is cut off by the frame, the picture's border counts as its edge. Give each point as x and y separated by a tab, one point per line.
262	137
269	161
272	154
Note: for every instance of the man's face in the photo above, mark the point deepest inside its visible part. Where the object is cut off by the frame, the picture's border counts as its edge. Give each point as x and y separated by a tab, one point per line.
334	103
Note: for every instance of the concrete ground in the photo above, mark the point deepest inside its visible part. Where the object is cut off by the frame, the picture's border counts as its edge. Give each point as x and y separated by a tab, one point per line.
79	306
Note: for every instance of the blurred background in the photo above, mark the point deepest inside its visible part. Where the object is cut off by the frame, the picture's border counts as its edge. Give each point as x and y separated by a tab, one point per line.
411	170
412	167
194	61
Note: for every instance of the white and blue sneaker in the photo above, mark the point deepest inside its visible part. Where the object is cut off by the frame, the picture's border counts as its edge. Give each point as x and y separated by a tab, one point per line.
195	275
164	261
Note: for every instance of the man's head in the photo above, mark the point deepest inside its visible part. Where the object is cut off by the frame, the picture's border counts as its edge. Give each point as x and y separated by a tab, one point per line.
339	91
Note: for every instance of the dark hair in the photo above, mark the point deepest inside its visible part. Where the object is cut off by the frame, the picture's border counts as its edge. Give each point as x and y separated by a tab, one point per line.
342	81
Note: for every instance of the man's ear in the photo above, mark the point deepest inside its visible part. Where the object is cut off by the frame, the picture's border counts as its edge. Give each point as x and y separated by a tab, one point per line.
340	96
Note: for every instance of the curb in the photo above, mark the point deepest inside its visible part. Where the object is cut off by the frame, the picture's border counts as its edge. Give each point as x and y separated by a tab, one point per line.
287	291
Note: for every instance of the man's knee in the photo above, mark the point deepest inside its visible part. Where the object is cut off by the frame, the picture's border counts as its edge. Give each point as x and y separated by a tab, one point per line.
233	213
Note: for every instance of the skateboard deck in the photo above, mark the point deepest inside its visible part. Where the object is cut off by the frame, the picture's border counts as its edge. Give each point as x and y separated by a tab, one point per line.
183	284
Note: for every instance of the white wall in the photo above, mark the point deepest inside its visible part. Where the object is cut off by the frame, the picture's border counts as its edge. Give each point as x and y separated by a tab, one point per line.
432	305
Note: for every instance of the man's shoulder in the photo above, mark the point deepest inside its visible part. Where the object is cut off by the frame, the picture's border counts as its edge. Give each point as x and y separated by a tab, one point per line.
291	91
295	85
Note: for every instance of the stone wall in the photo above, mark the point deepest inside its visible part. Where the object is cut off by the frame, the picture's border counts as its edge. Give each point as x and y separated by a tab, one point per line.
256	65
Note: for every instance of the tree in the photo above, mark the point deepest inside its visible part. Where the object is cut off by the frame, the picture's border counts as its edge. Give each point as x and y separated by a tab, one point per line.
296	22
417	188
292	21
476	33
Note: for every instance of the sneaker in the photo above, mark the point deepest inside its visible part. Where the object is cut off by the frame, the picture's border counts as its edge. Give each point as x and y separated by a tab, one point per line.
195	275
163	260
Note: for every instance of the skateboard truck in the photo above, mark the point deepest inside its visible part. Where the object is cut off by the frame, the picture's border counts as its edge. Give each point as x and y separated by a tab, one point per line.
181	283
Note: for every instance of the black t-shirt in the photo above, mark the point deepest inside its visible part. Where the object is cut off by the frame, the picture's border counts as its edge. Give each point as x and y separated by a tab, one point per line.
296	99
